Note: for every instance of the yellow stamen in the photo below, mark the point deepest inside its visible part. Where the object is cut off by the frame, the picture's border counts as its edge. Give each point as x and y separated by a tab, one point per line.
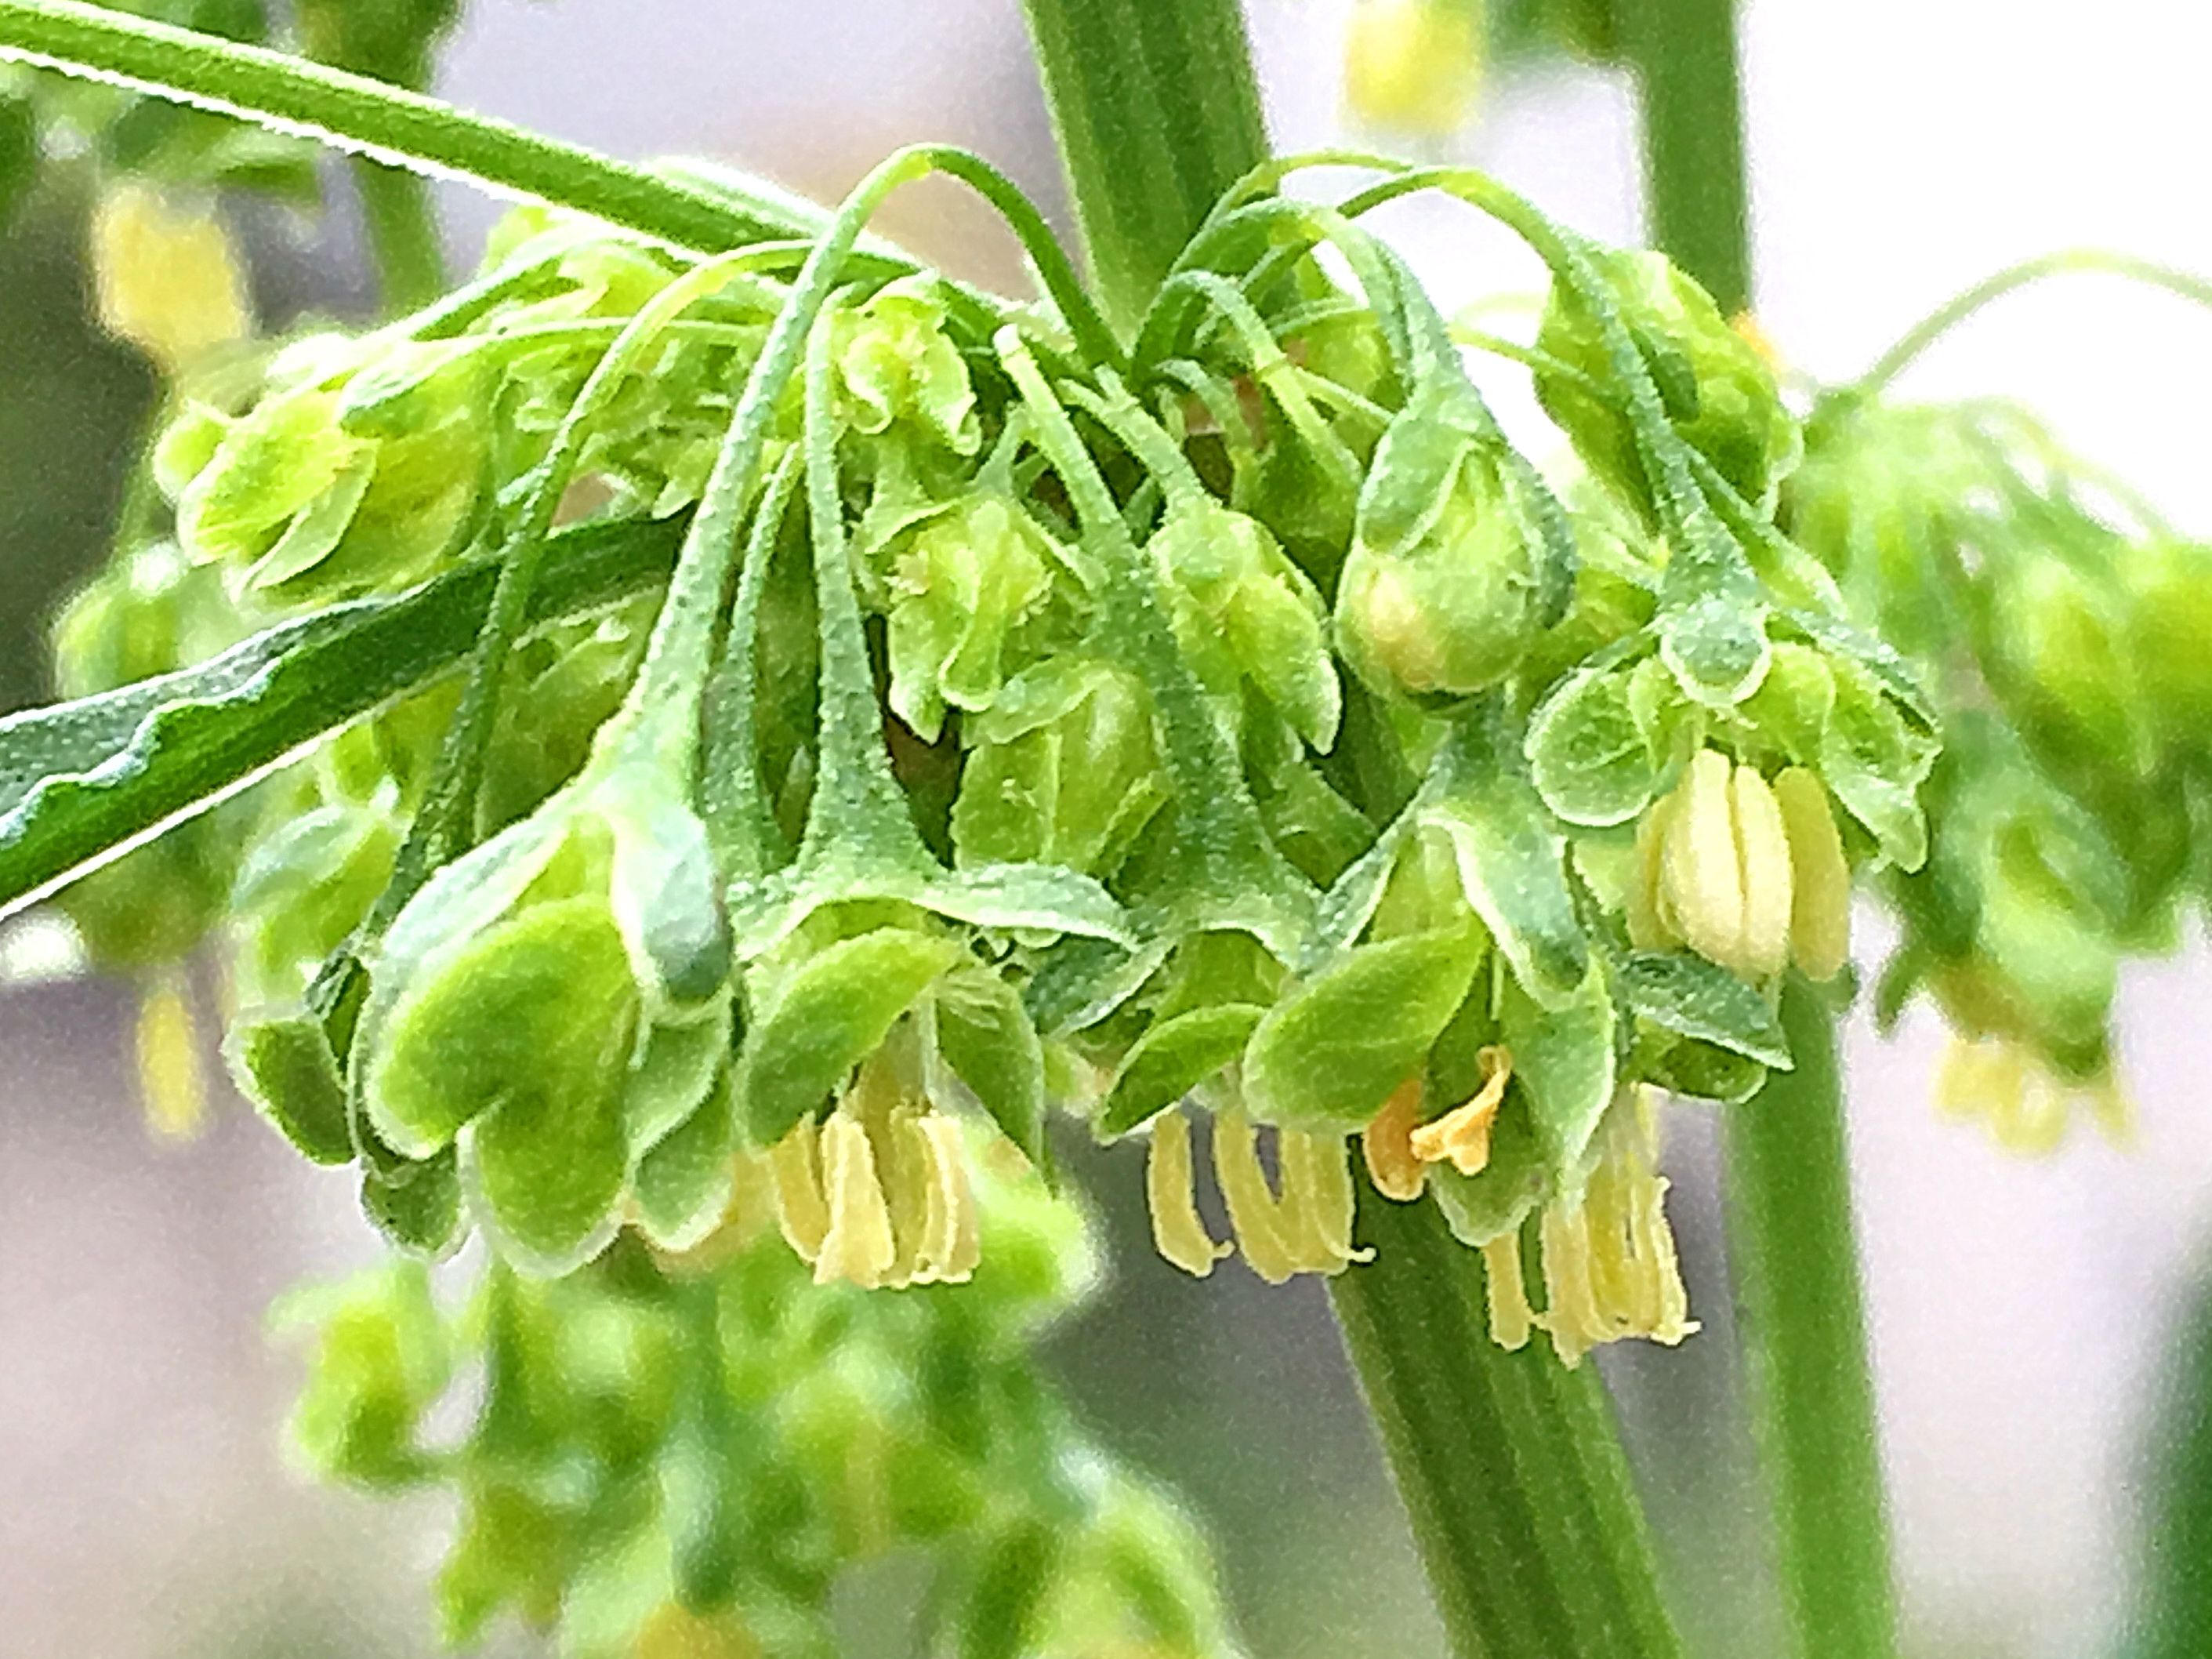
1317	1201
1387	1146
1820	887
1462	1134
859	1245
795	1170
170	1076
951	1245
1764	877
1170	1184
1254	1212
1700	870
1510	1317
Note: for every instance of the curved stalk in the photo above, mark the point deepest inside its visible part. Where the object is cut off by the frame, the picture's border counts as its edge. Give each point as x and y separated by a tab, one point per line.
385	123
2065	262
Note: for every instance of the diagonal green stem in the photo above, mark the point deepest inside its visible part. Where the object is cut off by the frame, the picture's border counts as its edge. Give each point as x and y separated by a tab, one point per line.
1509	1465
386	123
1796	1269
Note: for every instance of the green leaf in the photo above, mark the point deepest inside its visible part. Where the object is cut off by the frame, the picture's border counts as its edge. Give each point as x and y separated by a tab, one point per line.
985	1035
282	1063
416	1206
1512	865
683	1185
1682	993
82	783
1562	1061
1331	1053
1173	1057
1588	754
1874	764
832	1014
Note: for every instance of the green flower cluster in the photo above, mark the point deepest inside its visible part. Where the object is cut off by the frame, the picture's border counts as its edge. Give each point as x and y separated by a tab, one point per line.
2071	634
1037	718
679	1456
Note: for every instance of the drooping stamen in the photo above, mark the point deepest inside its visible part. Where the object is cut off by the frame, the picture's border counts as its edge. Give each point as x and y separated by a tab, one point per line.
1462	1134
859	1245
1252	1209
801	1212
1511	1317
1316	1205
952	1244
1170	1187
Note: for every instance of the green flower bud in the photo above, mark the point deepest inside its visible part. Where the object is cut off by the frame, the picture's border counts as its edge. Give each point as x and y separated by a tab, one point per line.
895	362
2169	588
1440	593
2061	655
1719	391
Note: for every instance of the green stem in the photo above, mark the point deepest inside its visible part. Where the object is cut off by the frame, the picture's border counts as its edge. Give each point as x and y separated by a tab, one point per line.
1157	114
1509	1465
1684	55
2068	261
1797	1271
386	123
400	216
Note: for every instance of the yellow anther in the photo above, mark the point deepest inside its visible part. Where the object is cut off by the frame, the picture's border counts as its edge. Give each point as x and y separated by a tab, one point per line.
859	1245
2023	1105
1462	1134
951	1242
1387	1146
1763	863
1510	1317
1170	1184
171	1078
1254	1212
1650	925
1413	65
1316	1205
1700	872
1610	1270
1820	900
167	279
795	1171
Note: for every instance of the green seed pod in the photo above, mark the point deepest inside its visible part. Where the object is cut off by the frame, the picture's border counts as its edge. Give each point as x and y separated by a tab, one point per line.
2059	651
1064	769
1440	595
961	587
1718	391
895	363
1242	610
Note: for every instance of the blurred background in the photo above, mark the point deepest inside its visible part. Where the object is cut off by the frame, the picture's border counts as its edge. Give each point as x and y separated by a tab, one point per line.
2022	1312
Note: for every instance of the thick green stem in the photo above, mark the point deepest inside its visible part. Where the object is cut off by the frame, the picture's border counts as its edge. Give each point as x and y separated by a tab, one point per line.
1685	56
1510	1464
1797	1282
1157	113
400	216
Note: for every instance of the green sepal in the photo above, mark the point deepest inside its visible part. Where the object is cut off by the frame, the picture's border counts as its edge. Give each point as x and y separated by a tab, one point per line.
984	1035
1331	1052
1512	862
1679	990
1172	1058
417	1205
282	1062
682	1187
830	1014
1590	755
